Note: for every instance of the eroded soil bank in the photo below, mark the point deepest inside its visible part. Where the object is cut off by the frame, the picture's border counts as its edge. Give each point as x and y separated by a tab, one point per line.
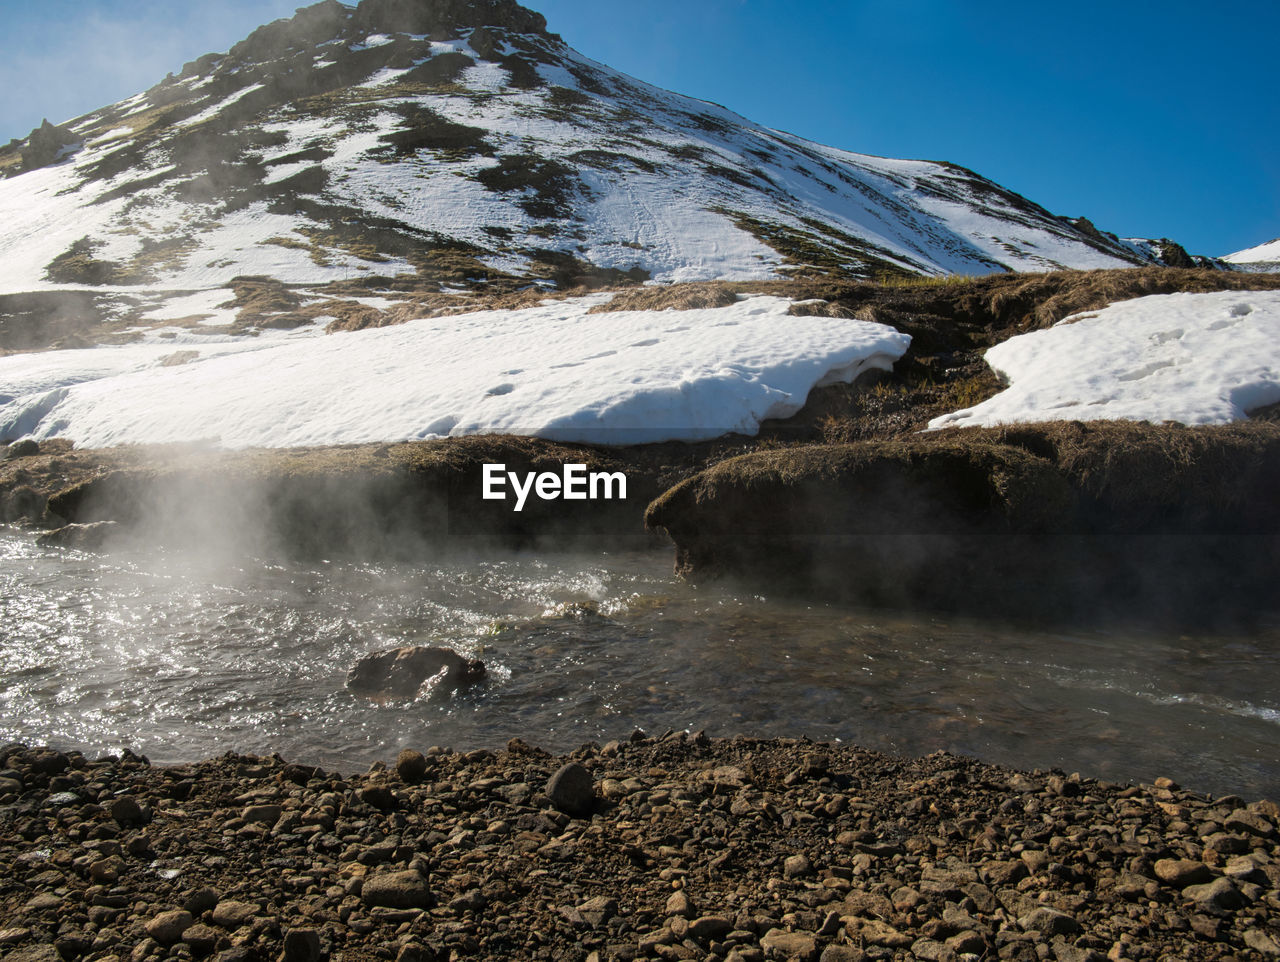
680	847
1065	519
364	501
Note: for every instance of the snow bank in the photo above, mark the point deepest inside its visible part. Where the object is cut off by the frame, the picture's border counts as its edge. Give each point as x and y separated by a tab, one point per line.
1264	257
554	371
1191	358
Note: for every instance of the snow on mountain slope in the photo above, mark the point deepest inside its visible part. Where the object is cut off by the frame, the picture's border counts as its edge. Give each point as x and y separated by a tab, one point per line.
554	371
1191	358
426	145
1264	258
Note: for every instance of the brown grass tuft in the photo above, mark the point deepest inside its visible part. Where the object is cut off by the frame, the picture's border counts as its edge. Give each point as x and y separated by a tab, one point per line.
676	297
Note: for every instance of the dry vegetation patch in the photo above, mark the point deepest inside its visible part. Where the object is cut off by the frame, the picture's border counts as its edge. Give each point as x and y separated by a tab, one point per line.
675	297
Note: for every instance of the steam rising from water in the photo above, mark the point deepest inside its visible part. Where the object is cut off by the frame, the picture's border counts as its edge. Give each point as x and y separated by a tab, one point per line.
181	658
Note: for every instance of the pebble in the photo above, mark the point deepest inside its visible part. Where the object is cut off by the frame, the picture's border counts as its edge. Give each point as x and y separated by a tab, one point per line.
167	927
1218	897
301	945
572	790
411	766
202	938
1049	922
678	904
1181	872
708	927
797	866
781	944
701	848
127	811
232	914
396	890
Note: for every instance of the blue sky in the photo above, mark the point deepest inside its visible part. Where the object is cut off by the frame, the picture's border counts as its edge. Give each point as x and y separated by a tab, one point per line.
1151	119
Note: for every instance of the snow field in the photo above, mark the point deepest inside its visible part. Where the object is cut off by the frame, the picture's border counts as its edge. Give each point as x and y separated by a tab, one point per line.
553	371
1190	358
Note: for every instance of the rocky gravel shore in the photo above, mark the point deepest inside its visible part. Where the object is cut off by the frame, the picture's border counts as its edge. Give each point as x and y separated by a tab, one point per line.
679	847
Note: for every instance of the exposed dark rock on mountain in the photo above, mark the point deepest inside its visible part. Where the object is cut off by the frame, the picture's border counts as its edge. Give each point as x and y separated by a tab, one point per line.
46	144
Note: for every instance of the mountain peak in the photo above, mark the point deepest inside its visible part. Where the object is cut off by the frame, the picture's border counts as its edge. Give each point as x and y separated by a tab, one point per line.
421	148
329	20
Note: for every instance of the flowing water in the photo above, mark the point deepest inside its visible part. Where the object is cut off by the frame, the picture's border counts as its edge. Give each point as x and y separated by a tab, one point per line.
183	659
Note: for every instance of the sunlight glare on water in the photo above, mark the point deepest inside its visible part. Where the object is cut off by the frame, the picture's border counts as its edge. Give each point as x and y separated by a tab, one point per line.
182	660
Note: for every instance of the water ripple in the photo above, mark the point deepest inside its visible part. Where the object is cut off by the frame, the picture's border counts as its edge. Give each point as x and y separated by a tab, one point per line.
183	658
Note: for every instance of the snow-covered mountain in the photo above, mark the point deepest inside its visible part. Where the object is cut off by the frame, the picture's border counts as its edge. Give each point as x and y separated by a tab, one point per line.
1265	258
438	145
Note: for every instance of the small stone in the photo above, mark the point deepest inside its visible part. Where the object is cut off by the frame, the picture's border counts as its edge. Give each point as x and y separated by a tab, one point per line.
597	911
34	953
1246	822
709	927
1181	872
167	927
301	945
1259	941
928	950
571	790
831	925
200	901
299	774
1219	897
1049	922
202	939
380	797
862	902
1225	843
470	901
1035	860
14	935
876	932
127	811
842	953
73	944
727	779
967	943
262	814
44	902
232	914
396	890
106	870
797	866
411	766
781	944
678	904
414	952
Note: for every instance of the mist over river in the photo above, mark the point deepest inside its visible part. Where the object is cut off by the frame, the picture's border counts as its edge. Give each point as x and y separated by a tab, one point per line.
182	659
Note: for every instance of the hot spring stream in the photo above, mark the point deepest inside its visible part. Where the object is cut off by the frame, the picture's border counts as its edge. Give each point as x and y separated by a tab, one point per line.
182	660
